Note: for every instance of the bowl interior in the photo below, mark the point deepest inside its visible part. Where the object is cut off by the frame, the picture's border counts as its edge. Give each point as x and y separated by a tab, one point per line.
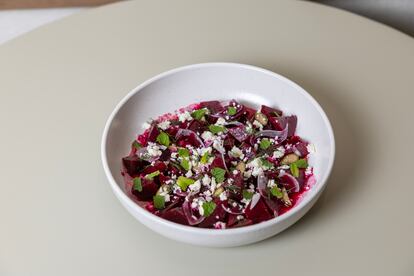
250	85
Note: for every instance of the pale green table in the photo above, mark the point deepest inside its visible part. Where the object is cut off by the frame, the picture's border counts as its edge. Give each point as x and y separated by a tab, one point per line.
58	84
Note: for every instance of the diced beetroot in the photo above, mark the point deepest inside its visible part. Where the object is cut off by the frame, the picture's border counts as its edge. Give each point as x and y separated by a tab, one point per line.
273	205
162	178
172	130
213	106
259	212
270	112
248	150
218	162
302	148
239	133
158	166
231	220
228	143
292	121
197	126
172	169
280	123
149	188
165	156
248	113
150	207
289	182
153	134
302	179
218	215
190	139
175	215
238	185
133	165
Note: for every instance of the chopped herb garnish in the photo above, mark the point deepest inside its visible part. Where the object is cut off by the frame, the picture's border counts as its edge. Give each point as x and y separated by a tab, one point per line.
247	194
231	110
183	152
136	145
163	139
185	164
266	163
218	174
159	202
152	175
264	143
184	182
204	158
137	184
216	129
199	114
233	188
275	191
302	163
294	169
208	208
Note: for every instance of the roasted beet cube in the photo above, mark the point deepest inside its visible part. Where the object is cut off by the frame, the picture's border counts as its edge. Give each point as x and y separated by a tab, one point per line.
270	112
239	133
259	212
213	106
158	166
228	143
175	215
218	215
133	165
153	134
197	126
149	188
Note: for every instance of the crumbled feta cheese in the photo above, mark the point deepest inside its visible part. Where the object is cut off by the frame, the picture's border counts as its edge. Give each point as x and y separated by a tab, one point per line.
236	152
207	136
311	148
220	121
223	196
189	174
256	166
185	116
220	225
308	171
195	187
279	152
239	217
206	180
271	183
247	174
153	149
235	172
164	125
258	125
218	145
284	167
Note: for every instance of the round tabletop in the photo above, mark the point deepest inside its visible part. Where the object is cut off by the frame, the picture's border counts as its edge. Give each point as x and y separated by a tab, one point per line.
59	84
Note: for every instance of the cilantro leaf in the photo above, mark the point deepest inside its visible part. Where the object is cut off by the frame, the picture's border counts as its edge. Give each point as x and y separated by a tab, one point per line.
216	129
184	182
218	174
198	114
185	164
152	175
302	163
136	145
163	139
231	110
204	158
247	194
208	208
294	170
137	184
159	202
264	143
183	152
275	191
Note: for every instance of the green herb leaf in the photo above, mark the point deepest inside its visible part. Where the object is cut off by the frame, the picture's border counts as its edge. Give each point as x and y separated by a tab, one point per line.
234	188
152	175
159	202
266	163
264	143
276	192
216	129
302	163
163	139
198	114
183	152
247	194
231	110
184	182
294	170
185	164
208	208
136	145
137	184
218	174
204	158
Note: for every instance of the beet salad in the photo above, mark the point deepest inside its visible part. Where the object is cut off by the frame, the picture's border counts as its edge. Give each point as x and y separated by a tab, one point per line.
219	165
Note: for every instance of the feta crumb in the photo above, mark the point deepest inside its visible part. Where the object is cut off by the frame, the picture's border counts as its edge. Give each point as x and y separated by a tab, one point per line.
189	174
153	149
308	171
279	152
236	152
271	183
195	187
207	136
217	144
258	125
256	166
219	225
185	116
220	121
239	217
223	196
164	125
235	172
206	180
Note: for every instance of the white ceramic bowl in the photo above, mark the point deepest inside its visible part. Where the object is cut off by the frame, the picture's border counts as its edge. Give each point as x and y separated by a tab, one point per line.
216	81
